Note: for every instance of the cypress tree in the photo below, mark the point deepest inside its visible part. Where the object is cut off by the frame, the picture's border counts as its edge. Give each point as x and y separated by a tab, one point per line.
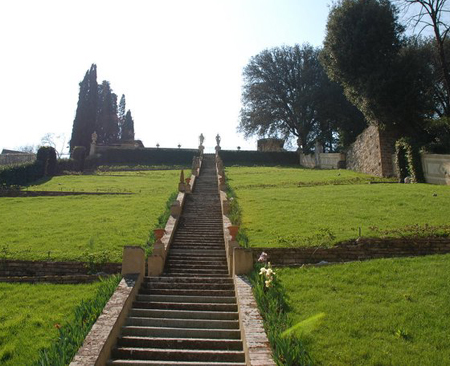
107	126
121	115
86	113
128	127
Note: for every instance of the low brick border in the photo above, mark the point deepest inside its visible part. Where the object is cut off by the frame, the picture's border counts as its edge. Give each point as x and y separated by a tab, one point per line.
355	250
256	345
22	268
72	280
98	344
17	193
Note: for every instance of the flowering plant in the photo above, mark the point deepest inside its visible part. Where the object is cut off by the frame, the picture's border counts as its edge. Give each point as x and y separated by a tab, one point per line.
266	271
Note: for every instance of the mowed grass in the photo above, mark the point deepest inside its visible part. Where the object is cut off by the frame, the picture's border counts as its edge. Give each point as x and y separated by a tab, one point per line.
30	315
284	207
66	228
379	312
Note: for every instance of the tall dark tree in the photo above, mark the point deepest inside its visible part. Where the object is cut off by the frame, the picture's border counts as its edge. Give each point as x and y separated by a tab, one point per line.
107	126
364	51
121	114
285	91
128	127
432	14
86	113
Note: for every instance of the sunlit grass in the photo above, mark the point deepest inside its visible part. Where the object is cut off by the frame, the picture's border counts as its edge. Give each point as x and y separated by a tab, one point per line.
65	228
379	312
336	206
30	315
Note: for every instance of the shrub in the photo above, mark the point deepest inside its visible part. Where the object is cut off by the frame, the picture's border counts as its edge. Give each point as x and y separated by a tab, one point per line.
65	165
47	155
79	157
408	161
250	158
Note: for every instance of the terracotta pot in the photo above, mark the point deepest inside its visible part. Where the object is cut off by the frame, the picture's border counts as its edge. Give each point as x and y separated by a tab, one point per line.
233	230
159	233
188	180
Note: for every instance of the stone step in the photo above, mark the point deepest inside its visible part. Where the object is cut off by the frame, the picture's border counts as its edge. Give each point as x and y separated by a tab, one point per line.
187	292
196	260
204	279
193	274
170	363
186	286
178	354
183	323
181	332
196	266
176	343
185	306
198	253
183	314
185	299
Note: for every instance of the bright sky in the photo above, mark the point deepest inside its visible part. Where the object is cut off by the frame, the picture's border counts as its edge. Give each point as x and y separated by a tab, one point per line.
178	62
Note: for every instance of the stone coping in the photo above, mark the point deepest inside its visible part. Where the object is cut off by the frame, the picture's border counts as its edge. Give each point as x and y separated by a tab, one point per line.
256	345
97	346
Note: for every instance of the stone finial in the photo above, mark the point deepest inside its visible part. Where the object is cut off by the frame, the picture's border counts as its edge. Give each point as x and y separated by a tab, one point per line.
201	138
182	176
218	140
94	137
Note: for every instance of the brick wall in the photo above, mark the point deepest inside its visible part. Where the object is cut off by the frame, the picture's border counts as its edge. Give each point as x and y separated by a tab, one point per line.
371	153
18	268
360	249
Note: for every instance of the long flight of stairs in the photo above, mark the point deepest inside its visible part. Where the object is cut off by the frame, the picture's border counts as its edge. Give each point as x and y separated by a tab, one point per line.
188	316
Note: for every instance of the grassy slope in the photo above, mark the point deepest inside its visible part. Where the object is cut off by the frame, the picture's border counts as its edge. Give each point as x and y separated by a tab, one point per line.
278	212
382	312
29	313
69	226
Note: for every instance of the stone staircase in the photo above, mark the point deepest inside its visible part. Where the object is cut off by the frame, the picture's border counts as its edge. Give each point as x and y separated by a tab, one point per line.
188	316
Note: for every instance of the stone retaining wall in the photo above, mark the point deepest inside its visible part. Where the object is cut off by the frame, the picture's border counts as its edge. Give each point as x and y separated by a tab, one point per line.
360	249
19	268
73	279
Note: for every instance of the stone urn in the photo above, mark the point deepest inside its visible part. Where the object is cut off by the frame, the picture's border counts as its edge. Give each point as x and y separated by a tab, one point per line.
233	230
159	233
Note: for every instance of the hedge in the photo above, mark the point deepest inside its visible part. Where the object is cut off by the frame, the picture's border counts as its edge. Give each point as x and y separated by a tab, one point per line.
148	156
239	157
21	175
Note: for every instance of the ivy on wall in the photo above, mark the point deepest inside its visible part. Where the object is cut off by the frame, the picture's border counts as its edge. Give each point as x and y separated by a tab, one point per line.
408	161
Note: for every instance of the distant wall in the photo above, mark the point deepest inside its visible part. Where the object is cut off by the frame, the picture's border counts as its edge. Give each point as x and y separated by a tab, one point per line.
12	159
270	144
323	160
436	168
242	157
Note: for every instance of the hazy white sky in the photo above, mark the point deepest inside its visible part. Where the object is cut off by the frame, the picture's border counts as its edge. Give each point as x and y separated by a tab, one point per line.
179	63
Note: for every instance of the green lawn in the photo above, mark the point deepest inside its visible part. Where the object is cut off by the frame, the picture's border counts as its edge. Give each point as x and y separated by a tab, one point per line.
65	228
284	207
380	312
30	315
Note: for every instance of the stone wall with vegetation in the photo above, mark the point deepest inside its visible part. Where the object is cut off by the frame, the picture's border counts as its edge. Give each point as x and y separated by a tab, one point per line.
360	249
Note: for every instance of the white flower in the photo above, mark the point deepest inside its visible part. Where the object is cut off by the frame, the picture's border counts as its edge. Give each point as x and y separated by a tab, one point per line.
268	283
263	271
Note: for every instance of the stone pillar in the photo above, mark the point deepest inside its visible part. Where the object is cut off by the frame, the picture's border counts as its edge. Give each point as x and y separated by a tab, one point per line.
155	265
133	261
317	150
242	261
175	208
